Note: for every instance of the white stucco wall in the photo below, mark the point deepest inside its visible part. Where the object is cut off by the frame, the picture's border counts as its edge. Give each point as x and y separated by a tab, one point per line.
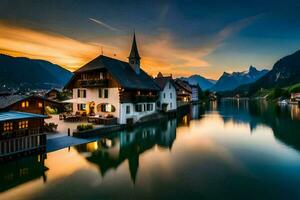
92	94
167	99
133	114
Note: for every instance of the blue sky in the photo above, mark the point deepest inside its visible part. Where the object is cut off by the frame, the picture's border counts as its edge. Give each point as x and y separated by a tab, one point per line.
178	37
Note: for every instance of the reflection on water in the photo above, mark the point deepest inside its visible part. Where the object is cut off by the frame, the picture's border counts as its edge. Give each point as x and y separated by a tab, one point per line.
231	149
21	171
110	152
283	120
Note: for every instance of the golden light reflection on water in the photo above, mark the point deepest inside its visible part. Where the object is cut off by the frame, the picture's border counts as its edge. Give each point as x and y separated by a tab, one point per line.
295	112
133	159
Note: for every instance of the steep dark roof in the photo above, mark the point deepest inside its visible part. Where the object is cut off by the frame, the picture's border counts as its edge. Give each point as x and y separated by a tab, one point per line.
162	81
183	85
7	101
134	53
122	72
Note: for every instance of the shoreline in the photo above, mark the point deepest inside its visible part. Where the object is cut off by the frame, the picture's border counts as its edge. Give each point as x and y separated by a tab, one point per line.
83	137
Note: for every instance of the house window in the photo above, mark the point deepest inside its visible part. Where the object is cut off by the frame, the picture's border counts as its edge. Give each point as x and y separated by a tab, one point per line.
25	104
149	107
40	104
145	107
81	106
81	93
103	93
23	124
164	95
158	103
8	126
170	95
105	107
106	93
127	109
138	107
100	93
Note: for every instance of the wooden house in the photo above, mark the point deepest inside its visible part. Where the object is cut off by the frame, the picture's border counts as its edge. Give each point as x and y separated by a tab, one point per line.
21	133
24	103
183	90
52	94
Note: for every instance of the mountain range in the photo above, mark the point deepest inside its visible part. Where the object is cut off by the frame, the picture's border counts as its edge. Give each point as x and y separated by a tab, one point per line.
18	72
205	84
285	72
230	81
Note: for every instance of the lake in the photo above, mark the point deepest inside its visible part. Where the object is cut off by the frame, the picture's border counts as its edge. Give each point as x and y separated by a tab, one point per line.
226	150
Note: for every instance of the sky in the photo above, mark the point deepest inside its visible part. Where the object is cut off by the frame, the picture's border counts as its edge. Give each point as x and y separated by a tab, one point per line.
181	38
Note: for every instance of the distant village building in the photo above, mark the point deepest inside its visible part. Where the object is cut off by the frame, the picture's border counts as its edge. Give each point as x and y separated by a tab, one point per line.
183	90
52	94
21	133
167	100
195	92
295	97
109	87
5	92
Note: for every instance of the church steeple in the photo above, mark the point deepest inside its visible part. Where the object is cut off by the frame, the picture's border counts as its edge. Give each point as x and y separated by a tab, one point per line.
134	57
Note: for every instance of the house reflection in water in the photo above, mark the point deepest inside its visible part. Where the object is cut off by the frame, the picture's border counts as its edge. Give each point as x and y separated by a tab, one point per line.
197	111
22	170
109	152
295	112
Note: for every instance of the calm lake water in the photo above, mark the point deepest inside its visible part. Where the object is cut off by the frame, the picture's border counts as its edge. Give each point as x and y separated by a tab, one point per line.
229	150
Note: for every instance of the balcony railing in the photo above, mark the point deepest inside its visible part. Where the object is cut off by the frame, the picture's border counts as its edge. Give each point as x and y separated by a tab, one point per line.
93	83
137	98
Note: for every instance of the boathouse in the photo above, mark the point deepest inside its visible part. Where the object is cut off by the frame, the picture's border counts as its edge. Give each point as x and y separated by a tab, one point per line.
21	133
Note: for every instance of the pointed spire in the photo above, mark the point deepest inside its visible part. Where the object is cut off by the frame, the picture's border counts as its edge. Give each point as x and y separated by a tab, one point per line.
134	53
134	57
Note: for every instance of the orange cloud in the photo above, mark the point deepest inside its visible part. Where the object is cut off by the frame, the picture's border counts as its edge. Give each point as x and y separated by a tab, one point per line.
67	52
159	52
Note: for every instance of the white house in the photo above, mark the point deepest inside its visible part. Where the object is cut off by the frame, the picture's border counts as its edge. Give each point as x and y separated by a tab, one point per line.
167	95
109	87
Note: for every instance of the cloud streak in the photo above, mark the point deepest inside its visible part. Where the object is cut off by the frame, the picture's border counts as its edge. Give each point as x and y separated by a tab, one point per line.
104	24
